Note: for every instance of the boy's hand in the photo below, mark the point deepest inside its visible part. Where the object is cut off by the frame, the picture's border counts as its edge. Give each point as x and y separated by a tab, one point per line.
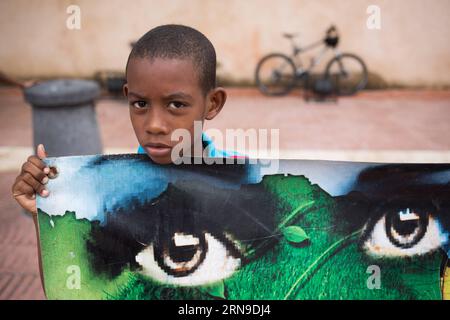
31	180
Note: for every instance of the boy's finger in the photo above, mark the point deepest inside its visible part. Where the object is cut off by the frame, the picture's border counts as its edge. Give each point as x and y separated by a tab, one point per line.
23	188
36	172
41	190
37	162
53	172
35	184
40	152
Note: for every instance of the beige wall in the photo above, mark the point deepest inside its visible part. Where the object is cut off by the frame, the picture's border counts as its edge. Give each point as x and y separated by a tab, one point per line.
412	47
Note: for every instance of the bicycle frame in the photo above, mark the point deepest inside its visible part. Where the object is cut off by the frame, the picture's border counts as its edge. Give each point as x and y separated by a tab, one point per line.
315	60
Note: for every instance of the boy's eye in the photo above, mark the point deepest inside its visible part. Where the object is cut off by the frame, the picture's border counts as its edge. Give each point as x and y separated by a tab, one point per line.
139	104
177	105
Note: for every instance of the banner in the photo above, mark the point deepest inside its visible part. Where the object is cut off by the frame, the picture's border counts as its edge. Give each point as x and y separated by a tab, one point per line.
122	227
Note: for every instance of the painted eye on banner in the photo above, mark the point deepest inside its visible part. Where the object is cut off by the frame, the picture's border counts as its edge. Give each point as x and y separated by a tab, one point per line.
190	259
405	232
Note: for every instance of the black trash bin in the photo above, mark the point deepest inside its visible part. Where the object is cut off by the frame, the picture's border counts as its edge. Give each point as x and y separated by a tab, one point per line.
64	117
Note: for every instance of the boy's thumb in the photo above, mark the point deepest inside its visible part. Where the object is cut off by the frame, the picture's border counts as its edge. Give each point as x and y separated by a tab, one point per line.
40	152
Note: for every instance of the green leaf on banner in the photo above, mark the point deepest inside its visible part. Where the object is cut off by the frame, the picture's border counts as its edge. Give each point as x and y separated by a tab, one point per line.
295	234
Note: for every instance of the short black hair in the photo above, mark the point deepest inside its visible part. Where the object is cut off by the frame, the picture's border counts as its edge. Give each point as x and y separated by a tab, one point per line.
174	41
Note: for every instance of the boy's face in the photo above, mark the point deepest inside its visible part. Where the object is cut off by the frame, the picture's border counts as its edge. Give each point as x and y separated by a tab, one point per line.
165	95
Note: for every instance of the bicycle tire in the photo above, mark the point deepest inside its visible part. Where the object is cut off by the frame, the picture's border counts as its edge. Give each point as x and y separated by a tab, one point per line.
286	87
360	84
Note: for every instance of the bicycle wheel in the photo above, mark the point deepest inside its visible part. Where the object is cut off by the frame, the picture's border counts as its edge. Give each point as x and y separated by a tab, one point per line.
348	74
275	74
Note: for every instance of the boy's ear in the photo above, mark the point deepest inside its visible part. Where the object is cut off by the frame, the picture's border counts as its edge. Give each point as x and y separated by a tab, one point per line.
216	100
125	90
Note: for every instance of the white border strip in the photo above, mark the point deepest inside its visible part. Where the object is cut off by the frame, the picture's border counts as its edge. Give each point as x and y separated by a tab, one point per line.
11	158
381	156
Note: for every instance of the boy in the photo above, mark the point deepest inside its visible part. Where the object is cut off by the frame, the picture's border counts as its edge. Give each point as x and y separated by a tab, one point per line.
171	83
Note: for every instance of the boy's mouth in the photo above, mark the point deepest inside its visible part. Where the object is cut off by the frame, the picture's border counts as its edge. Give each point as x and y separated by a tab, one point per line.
158	149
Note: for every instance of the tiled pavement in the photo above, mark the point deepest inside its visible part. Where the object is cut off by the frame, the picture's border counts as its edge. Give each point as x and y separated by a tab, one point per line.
406	122
19	272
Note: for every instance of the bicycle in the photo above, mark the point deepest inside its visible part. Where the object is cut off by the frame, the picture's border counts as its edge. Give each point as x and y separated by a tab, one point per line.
277	74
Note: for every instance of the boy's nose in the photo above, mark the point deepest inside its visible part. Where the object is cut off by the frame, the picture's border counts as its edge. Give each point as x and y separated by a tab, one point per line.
156	123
